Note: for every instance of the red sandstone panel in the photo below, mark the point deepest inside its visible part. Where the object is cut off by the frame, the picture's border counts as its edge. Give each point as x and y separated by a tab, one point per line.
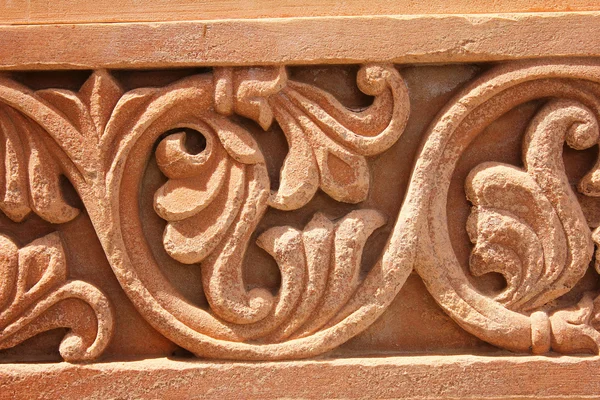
383	196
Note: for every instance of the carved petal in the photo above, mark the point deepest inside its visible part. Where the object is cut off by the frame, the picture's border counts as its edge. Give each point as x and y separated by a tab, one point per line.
100	93
344	175
206	190
181	198
351	234
83	342
192	239
507	245
299	176
90	108
514	215
317	238
367	132
8	269
284	244
44	185
71	106
337	137
122	118
42	265
14	200
195	178
31	177
240	145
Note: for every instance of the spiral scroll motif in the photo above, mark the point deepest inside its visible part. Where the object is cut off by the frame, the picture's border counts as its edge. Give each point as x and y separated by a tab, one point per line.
526	223
101	139
214	200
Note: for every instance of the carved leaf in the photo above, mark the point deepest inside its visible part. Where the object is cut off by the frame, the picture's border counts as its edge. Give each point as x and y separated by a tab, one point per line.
545	234
573	329
46	196
299	174
100	93
517	233
213	200
38	274
47	134
526	223
42	266
31	178
101	138
350	235
91	107
14	200
319	269
8	269
205	192
322	134
192	239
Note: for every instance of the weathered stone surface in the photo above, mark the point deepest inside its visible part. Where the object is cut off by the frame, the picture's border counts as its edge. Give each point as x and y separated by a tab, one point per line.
301	41
257	210
416	377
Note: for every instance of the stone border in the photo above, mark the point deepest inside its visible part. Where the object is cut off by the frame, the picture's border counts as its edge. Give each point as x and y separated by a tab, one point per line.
414	377
314	40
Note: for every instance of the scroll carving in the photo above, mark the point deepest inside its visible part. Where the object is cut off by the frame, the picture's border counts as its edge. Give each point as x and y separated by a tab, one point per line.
526	222
33	291
214	200
102	137
533	215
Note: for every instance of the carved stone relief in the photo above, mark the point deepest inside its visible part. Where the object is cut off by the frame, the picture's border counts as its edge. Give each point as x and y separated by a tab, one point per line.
531	227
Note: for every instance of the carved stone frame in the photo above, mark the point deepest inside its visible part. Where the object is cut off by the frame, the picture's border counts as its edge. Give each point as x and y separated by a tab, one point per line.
100	137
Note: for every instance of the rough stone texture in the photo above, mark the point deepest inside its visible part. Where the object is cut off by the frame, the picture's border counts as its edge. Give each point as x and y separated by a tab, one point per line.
225	221
301	41
417	377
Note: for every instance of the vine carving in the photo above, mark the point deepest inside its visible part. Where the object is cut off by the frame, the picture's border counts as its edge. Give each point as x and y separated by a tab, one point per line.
526	222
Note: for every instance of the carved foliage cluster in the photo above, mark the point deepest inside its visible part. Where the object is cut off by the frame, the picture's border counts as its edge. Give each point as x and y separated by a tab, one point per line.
526	222
33	291
101	137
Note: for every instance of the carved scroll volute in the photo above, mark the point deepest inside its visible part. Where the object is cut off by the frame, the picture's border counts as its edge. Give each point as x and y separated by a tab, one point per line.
213	201
526	223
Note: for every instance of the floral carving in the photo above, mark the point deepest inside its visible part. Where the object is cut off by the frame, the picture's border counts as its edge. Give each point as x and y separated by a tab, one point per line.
325	256
29	177
526	222
327	142
33	287
204	193
101	138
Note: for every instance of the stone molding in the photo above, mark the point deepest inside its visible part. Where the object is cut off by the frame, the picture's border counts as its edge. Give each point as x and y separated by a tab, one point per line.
300	41
415	377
